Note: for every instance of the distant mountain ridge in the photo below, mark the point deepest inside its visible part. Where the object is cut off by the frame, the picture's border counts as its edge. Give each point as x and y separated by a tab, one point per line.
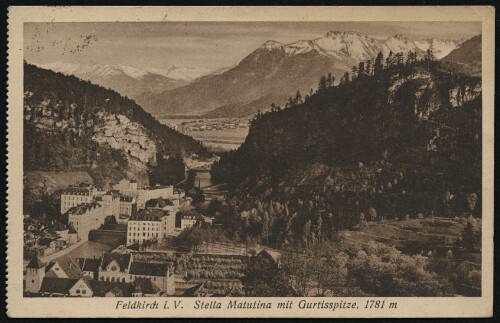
127	80
466	58
274	71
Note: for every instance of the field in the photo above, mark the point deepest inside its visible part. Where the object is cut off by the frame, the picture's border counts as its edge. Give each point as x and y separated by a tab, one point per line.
217	139
415	236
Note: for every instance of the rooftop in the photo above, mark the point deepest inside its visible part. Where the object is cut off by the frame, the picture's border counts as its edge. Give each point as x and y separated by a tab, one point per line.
101	288
145	286
84	208
89	264
149	215
123	259
148	269
76	191
53	285
35	262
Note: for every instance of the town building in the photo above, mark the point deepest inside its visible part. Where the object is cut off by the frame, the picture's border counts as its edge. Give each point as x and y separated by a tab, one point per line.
123	268
112	275
128	207
142	195
111	203
35	272
150	224
189	220
86	217
75	196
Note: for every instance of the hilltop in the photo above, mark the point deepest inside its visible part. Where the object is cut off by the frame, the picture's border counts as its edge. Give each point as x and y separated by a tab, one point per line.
398	142
73	125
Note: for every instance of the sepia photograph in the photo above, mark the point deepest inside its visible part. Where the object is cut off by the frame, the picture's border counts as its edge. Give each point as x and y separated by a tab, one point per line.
250	160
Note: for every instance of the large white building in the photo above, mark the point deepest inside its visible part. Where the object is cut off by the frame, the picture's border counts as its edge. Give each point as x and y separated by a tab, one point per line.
75	196
150	224
86	217
111	204
142	195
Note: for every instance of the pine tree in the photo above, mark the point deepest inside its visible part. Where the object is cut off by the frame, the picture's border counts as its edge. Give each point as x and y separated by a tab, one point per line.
345	78
389	59
329	82
354	71
361	68
320	228
468	237
368	67
298	98
379	63
322	86
306	233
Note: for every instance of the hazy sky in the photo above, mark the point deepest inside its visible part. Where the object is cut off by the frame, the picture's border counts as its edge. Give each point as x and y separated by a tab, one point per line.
201	44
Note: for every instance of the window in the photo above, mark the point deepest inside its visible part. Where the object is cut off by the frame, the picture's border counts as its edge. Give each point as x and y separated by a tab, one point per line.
84	291
33	281
78	291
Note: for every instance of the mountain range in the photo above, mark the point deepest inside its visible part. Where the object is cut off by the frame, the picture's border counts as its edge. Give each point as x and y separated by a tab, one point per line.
127	80
270	74
275	71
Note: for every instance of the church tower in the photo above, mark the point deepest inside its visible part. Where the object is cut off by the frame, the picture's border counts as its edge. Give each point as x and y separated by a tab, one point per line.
35	271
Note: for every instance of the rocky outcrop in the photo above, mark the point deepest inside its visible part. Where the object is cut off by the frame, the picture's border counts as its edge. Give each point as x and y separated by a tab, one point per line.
130	137
461	94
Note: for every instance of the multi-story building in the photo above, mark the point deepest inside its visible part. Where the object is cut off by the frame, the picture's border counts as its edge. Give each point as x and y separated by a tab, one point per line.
86	217
128	207
111	204
142	195
75	196
149	224
122	268
147	194
189	220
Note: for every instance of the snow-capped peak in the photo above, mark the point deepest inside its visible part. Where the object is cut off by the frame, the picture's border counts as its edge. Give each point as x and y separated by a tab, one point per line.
357	46
91	71
271	44
440	47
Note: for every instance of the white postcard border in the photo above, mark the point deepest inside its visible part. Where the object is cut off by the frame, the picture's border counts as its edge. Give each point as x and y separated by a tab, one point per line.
107	307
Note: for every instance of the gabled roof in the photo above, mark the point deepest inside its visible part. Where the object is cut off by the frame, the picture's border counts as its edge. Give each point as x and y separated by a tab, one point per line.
148	269
117	291
71	229
52	285
35	262
191	292
145	286
100	288
123	260
274	255
84	208
70	266
89	264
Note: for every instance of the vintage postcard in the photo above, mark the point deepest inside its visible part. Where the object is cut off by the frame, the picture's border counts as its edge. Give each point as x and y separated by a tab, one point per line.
250	161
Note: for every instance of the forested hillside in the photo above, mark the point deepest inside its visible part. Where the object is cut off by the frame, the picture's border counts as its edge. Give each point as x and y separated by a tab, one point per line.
72	124
395	139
